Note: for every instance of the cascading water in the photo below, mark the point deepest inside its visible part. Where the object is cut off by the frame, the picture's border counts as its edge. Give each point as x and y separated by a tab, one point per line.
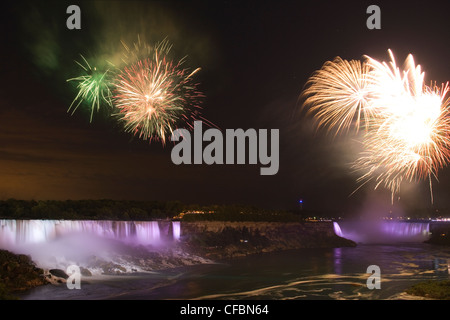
60	243
337	229
16	232
406	229
176	231
383	231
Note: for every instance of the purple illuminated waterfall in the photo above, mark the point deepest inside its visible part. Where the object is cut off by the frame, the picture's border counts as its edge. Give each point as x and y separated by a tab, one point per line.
16	232
176	230
337	229
380	231
406	229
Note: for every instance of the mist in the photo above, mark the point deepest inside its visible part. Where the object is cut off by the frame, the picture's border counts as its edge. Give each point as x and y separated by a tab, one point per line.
379	220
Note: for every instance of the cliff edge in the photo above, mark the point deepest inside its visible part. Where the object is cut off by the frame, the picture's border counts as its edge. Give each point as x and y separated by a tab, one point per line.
218	240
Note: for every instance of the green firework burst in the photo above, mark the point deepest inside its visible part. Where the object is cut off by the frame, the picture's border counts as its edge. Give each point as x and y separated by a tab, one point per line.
93	88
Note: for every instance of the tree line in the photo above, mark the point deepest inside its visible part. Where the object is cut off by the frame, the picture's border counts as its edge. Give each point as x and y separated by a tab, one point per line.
137	210
89	209
242	213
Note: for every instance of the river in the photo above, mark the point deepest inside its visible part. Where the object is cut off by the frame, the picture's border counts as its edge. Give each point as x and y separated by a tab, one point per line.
310	274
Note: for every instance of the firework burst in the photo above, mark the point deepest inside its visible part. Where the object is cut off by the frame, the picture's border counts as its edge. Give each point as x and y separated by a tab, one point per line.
93	88
338	94
155	95
410	142
407	126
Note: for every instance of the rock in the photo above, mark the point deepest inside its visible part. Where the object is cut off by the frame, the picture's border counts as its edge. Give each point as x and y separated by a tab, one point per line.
58	273
85	272
111	268
24	259
18	273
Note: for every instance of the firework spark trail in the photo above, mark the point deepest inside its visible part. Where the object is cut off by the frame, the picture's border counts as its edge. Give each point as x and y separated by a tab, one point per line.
142	50
154	95
407	126
93	88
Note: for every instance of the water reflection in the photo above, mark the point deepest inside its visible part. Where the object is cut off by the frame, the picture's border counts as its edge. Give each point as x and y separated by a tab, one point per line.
337	254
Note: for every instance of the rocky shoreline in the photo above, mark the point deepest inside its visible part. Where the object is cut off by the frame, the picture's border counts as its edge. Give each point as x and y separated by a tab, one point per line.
18	273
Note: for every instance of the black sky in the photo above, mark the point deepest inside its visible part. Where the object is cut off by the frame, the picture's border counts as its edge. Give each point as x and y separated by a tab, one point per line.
255	57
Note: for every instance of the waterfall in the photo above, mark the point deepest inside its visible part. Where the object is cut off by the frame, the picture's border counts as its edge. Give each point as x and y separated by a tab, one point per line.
337	229
380	231
176	230
406	229
16	232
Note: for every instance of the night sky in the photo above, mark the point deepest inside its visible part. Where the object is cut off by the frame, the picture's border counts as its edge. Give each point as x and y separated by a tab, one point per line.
255	57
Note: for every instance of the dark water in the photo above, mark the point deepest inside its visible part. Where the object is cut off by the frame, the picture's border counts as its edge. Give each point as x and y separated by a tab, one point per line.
338	273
